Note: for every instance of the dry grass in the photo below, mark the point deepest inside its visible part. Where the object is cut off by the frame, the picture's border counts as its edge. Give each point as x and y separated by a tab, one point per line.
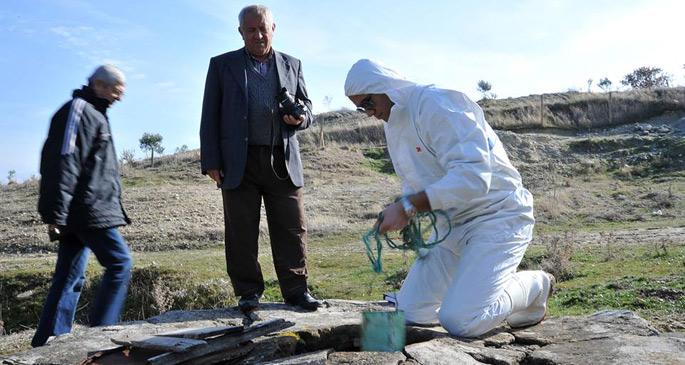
343	129
557	261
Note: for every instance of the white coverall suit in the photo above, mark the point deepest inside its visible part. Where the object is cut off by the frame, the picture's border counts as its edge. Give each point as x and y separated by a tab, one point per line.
440	143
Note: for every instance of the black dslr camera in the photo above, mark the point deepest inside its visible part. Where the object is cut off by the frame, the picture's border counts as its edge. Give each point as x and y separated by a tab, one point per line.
288	105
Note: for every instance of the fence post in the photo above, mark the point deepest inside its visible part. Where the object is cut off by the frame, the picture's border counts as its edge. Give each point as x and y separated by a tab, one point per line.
542	111
321	140
611	120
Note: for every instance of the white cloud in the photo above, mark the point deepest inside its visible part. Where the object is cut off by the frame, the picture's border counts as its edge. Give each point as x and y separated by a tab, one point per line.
167	87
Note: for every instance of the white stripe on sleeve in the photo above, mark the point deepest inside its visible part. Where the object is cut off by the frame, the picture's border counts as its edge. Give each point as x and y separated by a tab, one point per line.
70	131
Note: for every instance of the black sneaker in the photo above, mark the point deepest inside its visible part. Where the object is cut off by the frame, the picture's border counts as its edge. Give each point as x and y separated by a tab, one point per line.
248	303
305	301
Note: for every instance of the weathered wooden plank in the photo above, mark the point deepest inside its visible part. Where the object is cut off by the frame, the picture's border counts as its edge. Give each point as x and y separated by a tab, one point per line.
225	355
205	332
173	344
225	342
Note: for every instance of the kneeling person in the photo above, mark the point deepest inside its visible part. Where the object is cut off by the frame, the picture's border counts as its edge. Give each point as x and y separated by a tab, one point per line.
449	158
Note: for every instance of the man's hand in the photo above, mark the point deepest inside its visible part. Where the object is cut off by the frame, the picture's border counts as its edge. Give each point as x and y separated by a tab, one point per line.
215	175
290	120
54	232
394	218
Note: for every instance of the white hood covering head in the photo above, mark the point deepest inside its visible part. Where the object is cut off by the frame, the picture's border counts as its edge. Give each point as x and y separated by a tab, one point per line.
370	77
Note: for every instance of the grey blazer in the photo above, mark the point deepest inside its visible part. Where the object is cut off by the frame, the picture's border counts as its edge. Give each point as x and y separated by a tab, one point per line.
223	127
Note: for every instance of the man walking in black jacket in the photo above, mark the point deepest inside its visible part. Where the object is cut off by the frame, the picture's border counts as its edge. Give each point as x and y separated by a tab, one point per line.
80	200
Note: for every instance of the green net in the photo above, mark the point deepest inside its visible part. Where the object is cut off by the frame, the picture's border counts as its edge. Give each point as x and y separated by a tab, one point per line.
411	236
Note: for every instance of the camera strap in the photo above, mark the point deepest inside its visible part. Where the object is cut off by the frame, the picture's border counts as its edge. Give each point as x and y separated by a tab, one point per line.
271	151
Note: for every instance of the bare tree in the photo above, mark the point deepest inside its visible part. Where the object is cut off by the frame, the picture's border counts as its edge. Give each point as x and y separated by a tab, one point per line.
327	102
128	157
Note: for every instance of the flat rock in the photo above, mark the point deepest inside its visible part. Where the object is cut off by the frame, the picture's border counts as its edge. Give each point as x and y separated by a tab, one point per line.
597	326
498	338
311	358
447	347
621	349
435	352
366	358
331	336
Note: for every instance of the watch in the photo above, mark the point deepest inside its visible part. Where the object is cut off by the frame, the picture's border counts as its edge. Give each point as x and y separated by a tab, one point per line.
409	208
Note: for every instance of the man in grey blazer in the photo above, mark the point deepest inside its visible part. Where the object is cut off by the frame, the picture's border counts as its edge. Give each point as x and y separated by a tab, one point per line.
249	148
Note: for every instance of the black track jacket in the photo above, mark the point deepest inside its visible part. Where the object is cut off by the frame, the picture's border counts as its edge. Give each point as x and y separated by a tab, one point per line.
79	186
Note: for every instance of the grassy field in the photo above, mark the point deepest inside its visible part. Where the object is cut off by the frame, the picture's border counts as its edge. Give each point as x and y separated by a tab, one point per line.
648	279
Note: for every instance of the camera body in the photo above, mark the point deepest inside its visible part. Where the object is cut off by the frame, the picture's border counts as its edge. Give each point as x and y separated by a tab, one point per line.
288	105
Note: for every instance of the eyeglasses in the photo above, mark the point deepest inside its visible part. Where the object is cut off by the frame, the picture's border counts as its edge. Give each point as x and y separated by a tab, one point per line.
366	104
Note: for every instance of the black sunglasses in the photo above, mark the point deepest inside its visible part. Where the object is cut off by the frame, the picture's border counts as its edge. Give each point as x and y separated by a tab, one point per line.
366	104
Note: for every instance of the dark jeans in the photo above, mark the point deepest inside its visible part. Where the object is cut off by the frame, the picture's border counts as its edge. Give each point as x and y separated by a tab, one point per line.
59	309
285	218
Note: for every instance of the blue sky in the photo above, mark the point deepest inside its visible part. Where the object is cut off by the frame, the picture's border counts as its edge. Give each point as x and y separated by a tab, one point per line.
49	47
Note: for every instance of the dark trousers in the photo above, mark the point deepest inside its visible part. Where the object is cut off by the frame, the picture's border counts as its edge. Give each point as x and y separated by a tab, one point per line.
59	309
285	218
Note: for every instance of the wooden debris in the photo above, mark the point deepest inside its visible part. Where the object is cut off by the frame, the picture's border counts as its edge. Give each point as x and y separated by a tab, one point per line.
223	356
206	332
162	343
120	356
223	345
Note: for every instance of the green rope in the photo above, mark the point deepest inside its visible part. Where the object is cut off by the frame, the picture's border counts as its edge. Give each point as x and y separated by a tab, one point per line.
412	237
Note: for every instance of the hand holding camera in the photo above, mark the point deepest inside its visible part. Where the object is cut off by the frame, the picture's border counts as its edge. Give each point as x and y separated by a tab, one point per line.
292	111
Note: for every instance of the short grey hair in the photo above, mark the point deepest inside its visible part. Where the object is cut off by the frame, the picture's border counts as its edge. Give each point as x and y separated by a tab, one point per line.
260	10
109	74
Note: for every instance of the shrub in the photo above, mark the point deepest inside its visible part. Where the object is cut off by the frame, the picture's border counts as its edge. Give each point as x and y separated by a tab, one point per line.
646	78
604	84
557	261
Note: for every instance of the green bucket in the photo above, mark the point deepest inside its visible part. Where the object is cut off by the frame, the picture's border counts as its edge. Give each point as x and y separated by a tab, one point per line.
383	331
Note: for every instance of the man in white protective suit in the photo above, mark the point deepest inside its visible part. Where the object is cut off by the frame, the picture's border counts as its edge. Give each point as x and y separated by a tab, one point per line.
449	158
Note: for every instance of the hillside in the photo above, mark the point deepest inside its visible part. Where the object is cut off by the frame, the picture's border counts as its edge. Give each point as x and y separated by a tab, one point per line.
621	174
576	111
